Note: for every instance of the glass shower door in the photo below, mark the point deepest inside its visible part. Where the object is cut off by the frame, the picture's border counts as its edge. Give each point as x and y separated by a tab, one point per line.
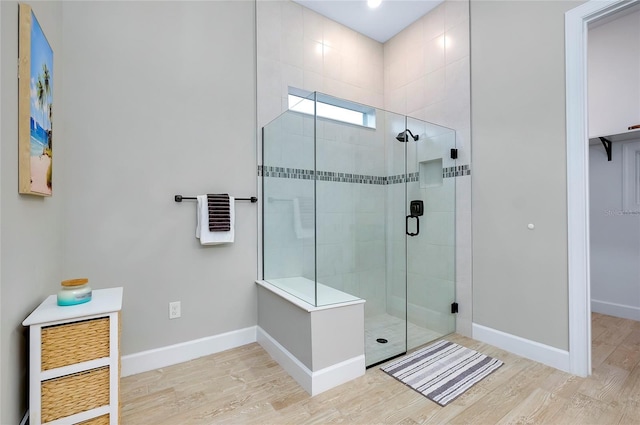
430	221
386	306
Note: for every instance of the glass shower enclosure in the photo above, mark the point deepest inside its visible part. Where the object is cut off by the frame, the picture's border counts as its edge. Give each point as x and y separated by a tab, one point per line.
363	210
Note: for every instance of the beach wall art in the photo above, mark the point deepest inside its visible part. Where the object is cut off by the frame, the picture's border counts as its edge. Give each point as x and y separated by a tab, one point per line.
35	107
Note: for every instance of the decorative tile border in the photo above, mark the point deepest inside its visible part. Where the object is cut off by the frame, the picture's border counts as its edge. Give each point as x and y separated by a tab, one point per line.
331	176
457	171
400	178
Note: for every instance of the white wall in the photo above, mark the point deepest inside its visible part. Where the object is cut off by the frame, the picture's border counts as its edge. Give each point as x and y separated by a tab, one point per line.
153	108
159	103
31	236
519	169
615	237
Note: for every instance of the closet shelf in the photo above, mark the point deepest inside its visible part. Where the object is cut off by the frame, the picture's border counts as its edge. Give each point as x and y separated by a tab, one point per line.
619	137
608	139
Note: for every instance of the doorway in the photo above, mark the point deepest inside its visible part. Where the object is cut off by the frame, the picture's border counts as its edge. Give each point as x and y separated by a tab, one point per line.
576	24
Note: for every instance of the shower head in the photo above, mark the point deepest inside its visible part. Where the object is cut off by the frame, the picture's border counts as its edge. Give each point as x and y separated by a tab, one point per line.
402	136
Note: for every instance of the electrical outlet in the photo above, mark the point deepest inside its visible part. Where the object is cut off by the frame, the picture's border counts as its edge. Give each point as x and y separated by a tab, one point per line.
174	310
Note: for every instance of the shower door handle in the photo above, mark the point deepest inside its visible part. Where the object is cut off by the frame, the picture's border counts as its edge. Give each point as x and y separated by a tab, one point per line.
417	225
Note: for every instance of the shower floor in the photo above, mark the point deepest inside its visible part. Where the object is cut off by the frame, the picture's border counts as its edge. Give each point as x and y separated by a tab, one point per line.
393	330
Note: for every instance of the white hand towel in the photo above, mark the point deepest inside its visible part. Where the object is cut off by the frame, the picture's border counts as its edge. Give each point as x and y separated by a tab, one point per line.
203	233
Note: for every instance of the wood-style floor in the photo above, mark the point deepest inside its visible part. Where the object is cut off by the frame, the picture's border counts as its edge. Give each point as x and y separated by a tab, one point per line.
245	386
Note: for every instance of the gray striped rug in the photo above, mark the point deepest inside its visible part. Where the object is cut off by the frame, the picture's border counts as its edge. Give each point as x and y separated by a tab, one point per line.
442	371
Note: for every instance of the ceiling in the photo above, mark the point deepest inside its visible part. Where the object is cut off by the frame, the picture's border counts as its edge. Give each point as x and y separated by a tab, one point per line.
380	24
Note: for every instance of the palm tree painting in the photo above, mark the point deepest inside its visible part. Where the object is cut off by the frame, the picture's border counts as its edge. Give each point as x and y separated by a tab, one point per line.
38	61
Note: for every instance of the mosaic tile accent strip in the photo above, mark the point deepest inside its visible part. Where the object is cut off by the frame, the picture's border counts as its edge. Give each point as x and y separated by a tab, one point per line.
287	173
400	178
457	171
332	176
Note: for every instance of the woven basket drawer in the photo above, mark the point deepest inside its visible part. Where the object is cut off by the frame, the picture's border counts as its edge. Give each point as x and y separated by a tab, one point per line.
71	343
100	420
75	393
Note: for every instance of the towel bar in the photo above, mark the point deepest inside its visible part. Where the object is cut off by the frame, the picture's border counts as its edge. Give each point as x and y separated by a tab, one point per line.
179	198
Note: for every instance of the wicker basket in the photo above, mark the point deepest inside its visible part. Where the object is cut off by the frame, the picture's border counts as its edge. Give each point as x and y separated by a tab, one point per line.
71	343
75	393
100	420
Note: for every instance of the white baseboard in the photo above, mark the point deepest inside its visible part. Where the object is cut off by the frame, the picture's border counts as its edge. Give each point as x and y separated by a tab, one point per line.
313	382
532	350
617	310
286	360
178	353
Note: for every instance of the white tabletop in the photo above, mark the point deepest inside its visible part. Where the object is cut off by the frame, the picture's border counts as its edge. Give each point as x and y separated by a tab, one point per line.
102	301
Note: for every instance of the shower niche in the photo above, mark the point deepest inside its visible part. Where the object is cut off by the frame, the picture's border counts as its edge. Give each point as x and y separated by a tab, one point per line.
430	173
336	201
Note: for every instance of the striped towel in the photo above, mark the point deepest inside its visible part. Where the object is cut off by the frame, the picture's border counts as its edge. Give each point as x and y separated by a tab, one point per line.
219	212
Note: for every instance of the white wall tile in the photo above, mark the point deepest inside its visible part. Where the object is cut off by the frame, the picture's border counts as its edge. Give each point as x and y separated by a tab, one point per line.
352	72
268	44
312	57
271	71
435	87
434	51
333	34
457	42
397	74
415	92
455	13
291	76
435	113
270	108
413	35
292	50
312	80
434	23
457	112
463	197
439	228
396	100
332	63
415	62
312	24
463	143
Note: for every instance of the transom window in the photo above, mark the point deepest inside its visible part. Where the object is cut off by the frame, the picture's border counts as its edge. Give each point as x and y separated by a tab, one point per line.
332	108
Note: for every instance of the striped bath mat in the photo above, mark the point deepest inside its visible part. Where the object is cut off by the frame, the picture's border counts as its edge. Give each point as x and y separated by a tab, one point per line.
442	371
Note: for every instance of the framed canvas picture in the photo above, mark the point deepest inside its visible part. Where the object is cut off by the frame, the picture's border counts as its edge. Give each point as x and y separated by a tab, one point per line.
35	107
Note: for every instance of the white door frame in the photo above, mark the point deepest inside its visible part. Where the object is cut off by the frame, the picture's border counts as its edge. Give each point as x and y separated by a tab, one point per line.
576	22
0	220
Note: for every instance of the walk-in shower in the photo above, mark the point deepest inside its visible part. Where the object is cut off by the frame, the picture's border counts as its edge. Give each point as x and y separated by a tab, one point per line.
349	213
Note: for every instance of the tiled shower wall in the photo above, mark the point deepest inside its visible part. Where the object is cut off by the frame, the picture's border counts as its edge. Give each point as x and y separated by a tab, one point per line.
422	72
300	48
350	194
427	76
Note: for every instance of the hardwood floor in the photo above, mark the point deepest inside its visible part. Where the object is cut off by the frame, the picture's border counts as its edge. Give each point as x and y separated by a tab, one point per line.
245	386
